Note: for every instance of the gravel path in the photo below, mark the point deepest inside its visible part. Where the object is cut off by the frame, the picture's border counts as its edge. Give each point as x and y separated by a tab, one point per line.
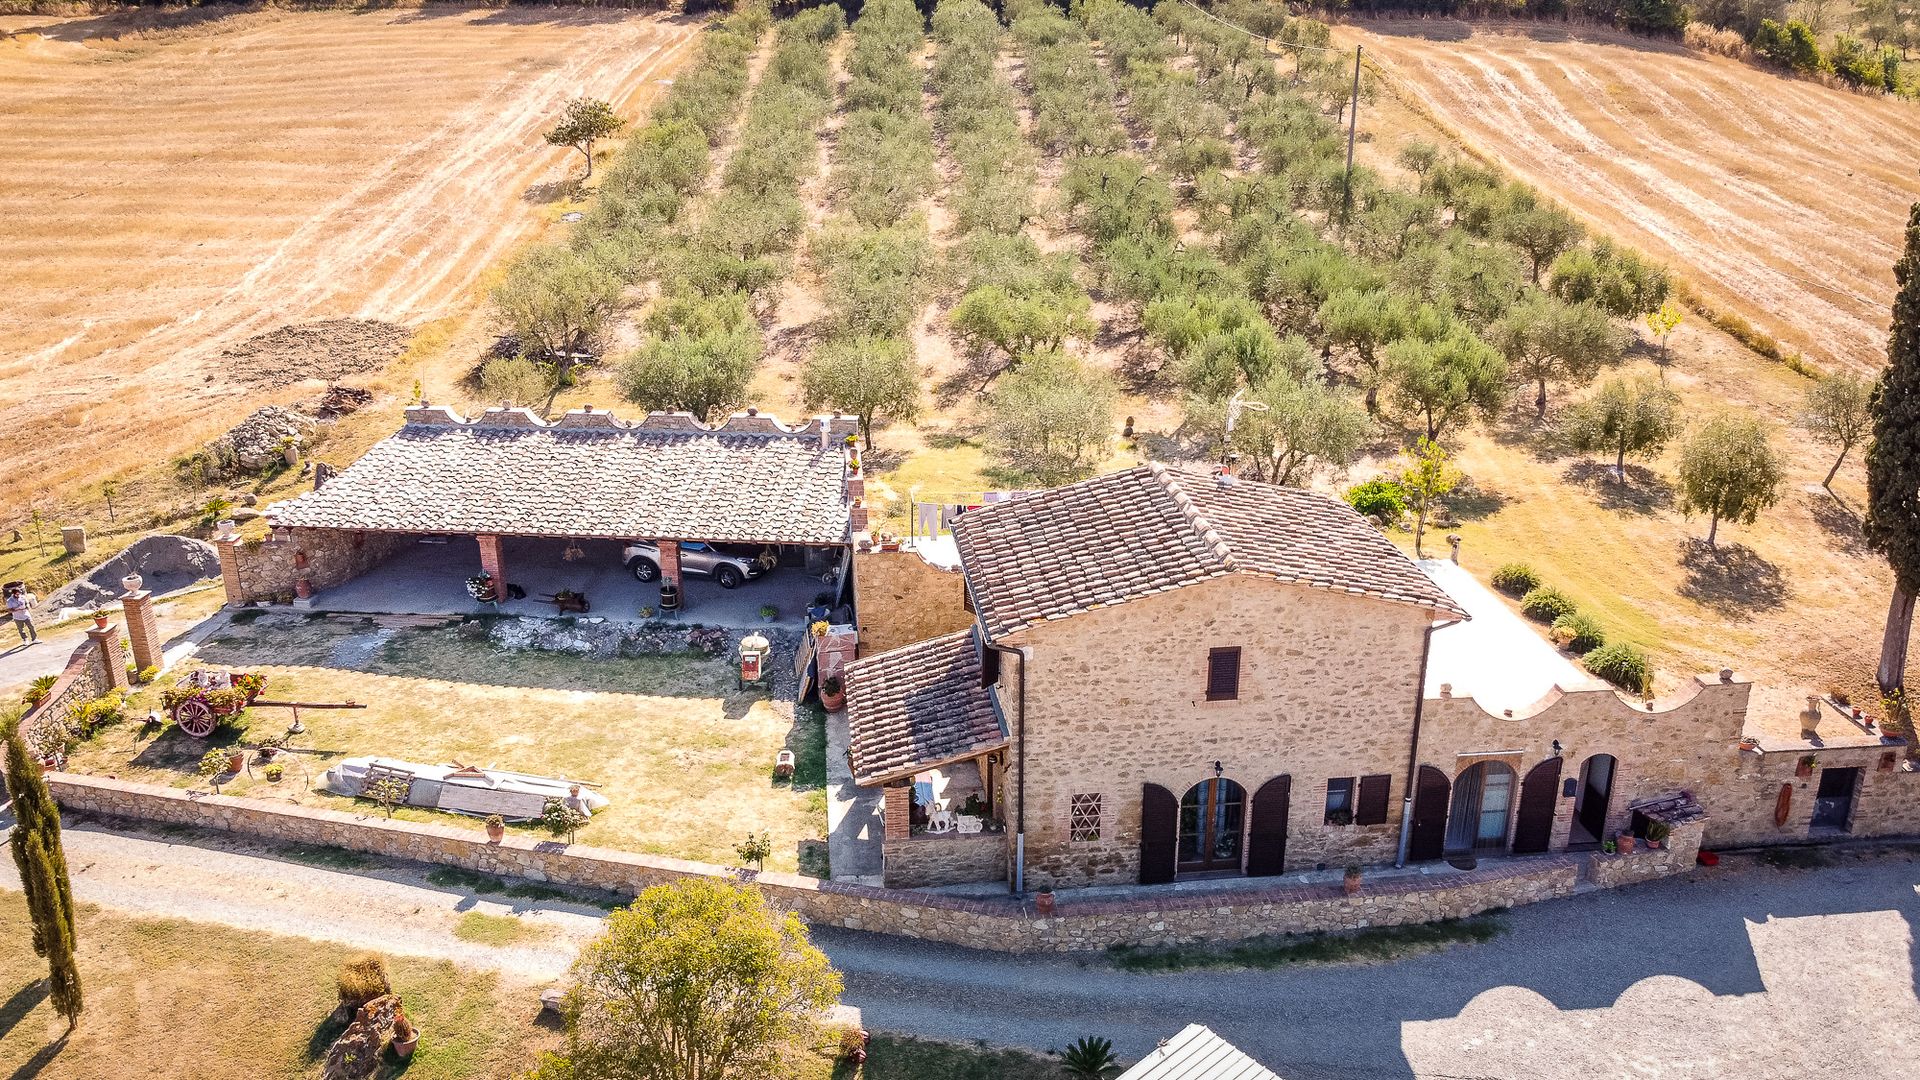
1745	970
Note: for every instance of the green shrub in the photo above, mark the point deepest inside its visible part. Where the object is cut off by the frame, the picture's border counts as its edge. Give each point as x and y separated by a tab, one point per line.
1383	499
1579	633
1516	579
1545	604
1622	665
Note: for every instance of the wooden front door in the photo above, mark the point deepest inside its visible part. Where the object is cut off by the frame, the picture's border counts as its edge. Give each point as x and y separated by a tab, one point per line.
1428	839
1267	833
1212	820
1539	793
1159	834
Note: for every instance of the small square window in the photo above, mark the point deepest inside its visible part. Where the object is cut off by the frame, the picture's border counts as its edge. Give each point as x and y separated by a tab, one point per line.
1083	824
1340	801
1223	673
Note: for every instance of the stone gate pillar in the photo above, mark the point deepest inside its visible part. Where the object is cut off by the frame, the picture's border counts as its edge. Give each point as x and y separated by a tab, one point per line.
107	640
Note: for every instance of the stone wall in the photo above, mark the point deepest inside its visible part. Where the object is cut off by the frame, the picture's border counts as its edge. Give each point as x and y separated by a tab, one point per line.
902	598
1690	742
96	667
921	862
257	571
1886	799
1116	699
1678	855
1001	923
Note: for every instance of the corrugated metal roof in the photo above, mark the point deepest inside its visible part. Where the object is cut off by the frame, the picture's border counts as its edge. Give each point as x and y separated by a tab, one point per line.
1198	1054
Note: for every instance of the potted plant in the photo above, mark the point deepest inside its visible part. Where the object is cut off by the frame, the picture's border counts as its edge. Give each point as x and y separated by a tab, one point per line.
274	772
405	1035
1805	765
99	618
236	759
1624	842
646	612
768	613
1351	882
496	828
1607	847
1043	903
853	1045
269	747
1657	833
819	628
833	693
1340	817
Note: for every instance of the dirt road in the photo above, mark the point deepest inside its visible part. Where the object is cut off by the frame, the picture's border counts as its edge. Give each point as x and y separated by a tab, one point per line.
168	195
1781	199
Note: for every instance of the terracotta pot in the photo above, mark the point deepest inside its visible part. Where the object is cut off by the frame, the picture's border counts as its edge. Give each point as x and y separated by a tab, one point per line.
833	702
302	588
100	620
1043	904
1624	842
236	761
403	1048
1351	884
495	833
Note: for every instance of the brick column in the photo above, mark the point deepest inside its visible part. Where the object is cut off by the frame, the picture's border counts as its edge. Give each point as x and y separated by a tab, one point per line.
494	563
228	547
670	568
143	633
107	640
897	812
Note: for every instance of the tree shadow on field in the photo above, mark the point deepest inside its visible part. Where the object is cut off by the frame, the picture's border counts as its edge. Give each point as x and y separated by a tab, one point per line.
549	192
972	378
1644	491
1456	30
1731	579
1471	502
30	1068
22	1004
1840	523
1520	428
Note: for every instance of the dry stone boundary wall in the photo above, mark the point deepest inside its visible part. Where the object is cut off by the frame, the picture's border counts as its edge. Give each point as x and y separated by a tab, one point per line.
1004	925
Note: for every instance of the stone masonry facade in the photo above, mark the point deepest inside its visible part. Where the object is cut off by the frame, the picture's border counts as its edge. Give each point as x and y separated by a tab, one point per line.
901	598
270	570
1003	924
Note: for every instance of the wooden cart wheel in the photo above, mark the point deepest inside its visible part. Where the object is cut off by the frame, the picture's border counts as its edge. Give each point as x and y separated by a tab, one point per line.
196	718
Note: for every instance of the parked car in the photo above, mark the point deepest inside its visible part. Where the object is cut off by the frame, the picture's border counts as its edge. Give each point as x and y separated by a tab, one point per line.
728	564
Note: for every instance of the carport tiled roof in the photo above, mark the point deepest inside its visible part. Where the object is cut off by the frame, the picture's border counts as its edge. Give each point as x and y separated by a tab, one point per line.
918	706
1145	530
590	475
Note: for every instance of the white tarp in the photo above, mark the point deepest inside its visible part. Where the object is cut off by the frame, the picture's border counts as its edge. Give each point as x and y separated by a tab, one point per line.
465	789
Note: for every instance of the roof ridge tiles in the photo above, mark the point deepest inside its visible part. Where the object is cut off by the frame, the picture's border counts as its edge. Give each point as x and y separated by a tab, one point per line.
1196	520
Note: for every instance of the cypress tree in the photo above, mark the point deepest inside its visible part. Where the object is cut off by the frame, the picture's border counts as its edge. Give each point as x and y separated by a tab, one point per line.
1893	463
43	872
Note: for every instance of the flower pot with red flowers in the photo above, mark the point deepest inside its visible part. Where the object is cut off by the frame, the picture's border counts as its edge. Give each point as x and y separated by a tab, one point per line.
1351	882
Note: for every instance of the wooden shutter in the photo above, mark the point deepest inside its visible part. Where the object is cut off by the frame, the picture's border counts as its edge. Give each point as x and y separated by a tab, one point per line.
1267	837
1159	834
1371	807
1533	828
1223	673
989	666
1429	835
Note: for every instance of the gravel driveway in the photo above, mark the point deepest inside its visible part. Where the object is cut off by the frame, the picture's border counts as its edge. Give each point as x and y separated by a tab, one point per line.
1743	971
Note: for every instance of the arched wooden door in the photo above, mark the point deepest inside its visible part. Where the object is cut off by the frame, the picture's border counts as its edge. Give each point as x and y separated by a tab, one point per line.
1482	809
1429	834
1267	833
1533	827
1159	834
1213	822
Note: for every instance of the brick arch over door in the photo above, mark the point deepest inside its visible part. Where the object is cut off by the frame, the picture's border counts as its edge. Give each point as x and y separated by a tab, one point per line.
1428	838
1267	838
1539	794
1159	834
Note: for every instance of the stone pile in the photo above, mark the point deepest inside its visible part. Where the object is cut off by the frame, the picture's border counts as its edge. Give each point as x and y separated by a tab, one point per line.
261	439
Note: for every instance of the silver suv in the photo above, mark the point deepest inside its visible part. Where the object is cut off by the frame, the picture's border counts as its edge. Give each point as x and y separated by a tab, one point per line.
728	564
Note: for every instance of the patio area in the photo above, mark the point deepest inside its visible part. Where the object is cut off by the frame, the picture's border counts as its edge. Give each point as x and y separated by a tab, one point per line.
429	576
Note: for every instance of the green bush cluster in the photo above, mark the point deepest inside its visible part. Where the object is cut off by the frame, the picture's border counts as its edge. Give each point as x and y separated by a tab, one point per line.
1544	603
1579	633
1622	665
1384	499
1516	579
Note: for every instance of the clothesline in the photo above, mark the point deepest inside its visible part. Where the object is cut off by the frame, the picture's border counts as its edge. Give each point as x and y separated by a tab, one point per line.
931	516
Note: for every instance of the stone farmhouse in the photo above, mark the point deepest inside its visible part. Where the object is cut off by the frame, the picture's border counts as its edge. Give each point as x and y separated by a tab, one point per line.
1162	674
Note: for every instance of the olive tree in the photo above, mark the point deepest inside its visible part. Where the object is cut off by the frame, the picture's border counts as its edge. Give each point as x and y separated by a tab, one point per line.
1363	323
515	380
698	356
995	318
1428	475
1729	469
1546	340
1051	417
1625	416
557	301
1306	426
1839	412
695	980
584	122
864	377
1443	381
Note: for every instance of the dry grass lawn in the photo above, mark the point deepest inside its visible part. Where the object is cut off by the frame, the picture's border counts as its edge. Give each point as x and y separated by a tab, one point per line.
167	193
686	760
1780	200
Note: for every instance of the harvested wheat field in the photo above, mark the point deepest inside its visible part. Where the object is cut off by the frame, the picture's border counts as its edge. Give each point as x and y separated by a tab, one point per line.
169	194
1780	200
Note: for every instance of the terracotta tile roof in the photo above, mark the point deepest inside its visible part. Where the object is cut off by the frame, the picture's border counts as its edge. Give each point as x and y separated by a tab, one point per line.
1133	533
918	706
590	475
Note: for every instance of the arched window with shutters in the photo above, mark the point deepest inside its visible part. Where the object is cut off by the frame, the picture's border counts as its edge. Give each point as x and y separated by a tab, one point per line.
1267	833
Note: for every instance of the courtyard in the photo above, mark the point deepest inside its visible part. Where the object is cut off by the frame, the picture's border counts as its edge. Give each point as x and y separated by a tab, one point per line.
684	756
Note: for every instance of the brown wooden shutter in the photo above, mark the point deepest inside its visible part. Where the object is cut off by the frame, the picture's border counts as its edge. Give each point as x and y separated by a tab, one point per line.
1223	673
1533	827
1159	834
1267	836
1429	834
989	666
1371	807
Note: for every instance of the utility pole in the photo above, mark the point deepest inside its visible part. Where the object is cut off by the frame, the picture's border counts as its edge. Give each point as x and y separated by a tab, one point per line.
1353	123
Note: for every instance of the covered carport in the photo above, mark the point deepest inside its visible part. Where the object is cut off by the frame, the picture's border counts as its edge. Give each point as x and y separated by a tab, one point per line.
544	508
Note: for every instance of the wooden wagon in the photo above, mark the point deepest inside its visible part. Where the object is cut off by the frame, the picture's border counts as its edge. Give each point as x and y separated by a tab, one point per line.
205	697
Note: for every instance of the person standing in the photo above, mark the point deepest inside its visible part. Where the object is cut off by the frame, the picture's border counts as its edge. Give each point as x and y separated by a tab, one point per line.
20	607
